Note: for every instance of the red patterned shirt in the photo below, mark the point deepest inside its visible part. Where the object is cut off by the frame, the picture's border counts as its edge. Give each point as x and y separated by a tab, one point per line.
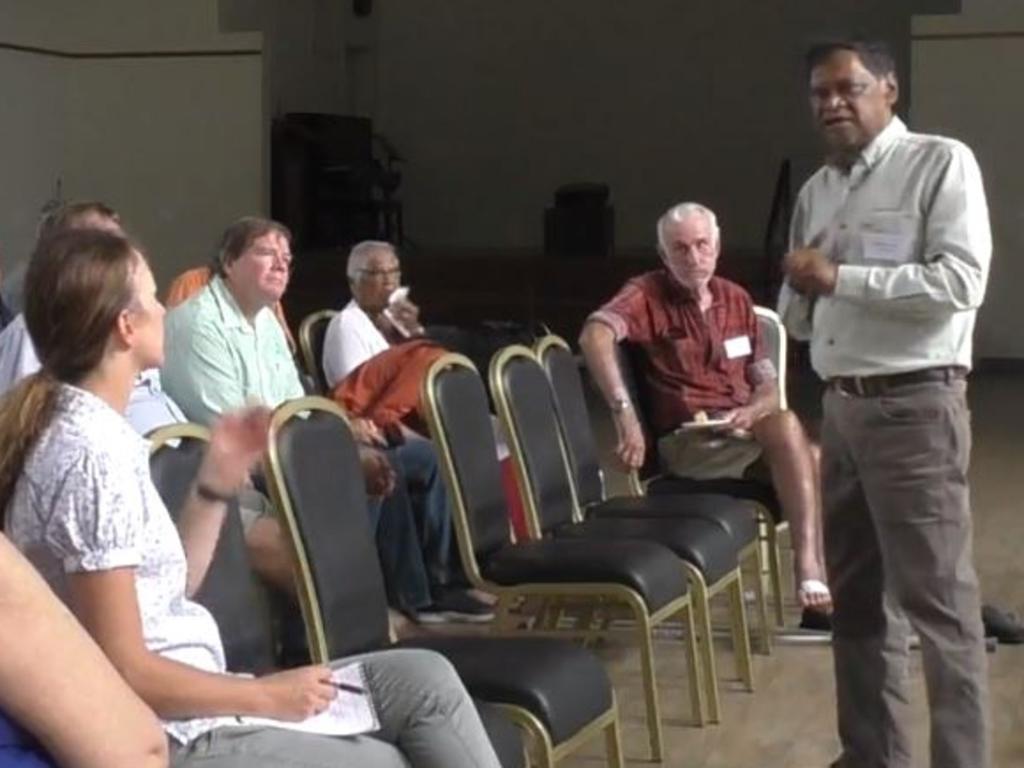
693	361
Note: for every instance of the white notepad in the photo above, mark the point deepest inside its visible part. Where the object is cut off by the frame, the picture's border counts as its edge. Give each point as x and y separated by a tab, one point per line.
349	714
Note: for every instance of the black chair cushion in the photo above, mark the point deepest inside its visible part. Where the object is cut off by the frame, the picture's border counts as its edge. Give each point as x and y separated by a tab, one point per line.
571	403
462	407
505	735
734	517
324	479
531	402
645	567
230	592
740	488
703	544
562	684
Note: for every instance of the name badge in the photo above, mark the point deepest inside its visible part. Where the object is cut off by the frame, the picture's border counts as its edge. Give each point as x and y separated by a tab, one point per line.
737	346
887	248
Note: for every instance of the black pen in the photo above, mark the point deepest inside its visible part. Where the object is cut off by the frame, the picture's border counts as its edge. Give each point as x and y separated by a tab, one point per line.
348	687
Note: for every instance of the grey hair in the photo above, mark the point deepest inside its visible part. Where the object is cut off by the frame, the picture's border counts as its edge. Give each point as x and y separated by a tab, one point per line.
680	212
360	254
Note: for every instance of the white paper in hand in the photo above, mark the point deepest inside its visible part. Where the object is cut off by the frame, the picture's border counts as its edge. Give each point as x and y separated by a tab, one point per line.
350	713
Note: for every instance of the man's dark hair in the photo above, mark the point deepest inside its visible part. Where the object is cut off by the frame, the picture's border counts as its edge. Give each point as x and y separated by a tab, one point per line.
64	216
240	236
875	55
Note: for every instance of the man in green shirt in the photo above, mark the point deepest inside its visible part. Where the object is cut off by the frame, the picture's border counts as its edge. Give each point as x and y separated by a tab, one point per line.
225	348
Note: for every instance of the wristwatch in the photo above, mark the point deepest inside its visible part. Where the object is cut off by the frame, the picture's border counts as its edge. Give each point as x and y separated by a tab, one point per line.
620	405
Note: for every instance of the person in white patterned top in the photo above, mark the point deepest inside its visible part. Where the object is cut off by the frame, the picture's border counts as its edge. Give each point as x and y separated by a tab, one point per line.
79	502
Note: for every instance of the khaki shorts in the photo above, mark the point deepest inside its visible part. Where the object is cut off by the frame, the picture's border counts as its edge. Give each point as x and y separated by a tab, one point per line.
705	455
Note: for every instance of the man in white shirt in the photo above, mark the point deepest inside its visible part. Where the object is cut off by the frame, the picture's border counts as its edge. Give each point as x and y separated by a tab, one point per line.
890	252
374	318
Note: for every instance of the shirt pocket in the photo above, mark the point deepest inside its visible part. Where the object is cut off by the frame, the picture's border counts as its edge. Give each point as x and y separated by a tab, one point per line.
889	237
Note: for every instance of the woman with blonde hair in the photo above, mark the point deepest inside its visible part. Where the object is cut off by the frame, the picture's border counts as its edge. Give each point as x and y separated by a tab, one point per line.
79	501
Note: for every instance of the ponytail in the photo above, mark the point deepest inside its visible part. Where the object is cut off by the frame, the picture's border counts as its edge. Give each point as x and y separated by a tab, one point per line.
25	412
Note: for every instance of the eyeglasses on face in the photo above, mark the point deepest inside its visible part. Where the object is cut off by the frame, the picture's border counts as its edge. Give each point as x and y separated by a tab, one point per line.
382	273
847	90
272	255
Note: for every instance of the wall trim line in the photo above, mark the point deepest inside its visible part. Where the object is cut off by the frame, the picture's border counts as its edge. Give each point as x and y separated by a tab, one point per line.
1006	34
182	54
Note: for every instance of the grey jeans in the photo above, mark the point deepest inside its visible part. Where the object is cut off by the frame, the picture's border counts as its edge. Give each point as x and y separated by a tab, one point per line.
898	548
427	721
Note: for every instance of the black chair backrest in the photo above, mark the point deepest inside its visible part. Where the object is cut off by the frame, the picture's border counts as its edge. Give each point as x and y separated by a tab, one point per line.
467	439
571	402
522	385
230	591
311	342
319	465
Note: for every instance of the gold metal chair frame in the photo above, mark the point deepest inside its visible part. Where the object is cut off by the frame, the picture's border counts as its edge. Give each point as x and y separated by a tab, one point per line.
589	595
548	752
752	552
592	595
701	591
309	361
160	436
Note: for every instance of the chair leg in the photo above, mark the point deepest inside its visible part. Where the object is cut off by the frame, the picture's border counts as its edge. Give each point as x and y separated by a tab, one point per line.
613	742
650	687
775	572
762	603
702	615
694	673
741	633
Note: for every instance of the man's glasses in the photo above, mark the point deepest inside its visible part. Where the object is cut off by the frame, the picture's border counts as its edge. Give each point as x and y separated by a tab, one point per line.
271	255
846	90
382	273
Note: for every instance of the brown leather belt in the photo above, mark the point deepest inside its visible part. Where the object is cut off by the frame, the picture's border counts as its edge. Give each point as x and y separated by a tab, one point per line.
876	386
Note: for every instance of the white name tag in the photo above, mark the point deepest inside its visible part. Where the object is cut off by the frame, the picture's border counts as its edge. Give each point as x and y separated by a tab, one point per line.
890	248
737	346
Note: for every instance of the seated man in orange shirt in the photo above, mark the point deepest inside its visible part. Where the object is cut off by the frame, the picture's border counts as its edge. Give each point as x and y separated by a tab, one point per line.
703	353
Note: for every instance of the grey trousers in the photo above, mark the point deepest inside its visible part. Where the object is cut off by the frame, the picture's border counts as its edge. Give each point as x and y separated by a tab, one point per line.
427	721
898	548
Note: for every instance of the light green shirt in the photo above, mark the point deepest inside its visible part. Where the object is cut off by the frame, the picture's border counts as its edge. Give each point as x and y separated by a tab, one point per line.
215	360
908	226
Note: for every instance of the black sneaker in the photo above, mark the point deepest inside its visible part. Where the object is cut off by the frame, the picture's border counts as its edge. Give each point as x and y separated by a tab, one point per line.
815	620
1004	626
456	605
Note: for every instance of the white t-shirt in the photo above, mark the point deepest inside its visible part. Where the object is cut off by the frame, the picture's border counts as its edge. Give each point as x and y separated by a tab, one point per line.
351	339
85	501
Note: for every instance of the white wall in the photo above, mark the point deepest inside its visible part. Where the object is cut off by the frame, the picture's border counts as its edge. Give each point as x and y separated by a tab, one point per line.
968	74
177	144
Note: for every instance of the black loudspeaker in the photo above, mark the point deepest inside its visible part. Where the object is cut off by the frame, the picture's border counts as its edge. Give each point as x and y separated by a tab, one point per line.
362	8
581	224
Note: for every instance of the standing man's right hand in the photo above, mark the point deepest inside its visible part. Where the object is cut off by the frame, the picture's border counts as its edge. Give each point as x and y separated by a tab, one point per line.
630	446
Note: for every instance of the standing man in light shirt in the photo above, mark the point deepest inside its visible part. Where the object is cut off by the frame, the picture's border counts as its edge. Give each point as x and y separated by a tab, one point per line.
890	252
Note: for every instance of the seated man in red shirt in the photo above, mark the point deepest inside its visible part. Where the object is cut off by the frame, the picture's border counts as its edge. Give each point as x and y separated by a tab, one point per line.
704	357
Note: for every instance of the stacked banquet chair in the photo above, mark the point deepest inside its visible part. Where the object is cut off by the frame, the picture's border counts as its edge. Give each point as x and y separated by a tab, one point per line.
707	548
556	692
232	592
641	578
312	330
739	520
758	493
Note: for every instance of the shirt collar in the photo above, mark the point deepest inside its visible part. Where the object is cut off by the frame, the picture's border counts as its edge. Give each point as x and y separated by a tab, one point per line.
230	313
86	405
677	292
873	152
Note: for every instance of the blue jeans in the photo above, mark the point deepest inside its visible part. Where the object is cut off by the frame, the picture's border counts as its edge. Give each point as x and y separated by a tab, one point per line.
414	528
